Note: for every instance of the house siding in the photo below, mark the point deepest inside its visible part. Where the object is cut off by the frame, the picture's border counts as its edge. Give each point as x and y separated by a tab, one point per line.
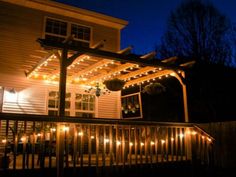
19	52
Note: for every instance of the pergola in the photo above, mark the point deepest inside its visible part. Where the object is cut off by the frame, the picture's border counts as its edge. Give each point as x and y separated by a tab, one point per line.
90	66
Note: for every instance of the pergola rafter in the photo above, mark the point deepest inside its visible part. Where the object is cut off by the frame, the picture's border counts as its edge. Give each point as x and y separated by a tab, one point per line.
148	68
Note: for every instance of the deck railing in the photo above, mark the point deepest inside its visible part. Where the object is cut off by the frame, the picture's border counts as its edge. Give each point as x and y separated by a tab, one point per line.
32	141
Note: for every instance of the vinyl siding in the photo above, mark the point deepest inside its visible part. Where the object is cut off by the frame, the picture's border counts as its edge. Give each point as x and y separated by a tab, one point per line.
19	52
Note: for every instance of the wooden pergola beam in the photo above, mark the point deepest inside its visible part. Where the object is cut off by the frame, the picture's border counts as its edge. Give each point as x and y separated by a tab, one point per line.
132	58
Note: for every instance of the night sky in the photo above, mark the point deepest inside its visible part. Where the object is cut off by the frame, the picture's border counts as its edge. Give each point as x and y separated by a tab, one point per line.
147	18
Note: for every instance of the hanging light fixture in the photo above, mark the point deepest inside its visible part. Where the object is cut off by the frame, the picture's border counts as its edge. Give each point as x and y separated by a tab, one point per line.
97	90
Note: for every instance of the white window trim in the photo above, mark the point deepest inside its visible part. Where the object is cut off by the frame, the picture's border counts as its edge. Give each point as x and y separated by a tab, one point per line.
72	105
68	29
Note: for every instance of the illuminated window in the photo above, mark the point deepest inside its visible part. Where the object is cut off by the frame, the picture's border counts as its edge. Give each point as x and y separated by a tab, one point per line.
80	105
57	31
84	105
53	103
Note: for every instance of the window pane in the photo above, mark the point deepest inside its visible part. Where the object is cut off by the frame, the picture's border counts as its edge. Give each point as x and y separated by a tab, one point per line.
52	113
86	98
85	106
68	95
55	27
91	106
52	94
78	97
51	103
78	114
84	114
67	113
80	32
67	104
92	98
78	105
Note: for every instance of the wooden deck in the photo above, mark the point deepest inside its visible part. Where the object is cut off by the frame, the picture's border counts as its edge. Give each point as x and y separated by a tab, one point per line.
50	162
47	143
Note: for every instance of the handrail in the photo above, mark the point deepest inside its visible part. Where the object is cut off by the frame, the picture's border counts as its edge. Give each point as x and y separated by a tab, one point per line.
47	118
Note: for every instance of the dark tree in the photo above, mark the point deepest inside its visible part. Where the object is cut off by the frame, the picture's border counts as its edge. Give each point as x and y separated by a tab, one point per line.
197	30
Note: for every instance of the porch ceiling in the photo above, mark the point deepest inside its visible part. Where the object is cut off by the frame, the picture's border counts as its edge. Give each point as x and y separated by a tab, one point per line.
93	65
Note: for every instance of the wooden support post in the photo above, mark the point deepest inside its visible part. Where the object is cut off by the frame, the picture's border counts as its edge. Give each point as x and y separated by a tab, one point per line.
60	150
62	83
62	96
188	144
180	79
186	118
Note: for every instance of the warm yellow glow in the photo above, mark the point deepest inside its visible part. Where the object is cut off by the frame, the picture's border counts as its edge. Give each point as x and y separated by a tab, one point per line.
142	144
4	141
106	140
131	144
44	76
203	137
209	139
65	128
152	143
181	135
92	137
188	132
39	134
118	143
36	75
53	129
163	141
172	139
80	133
23	139
193	133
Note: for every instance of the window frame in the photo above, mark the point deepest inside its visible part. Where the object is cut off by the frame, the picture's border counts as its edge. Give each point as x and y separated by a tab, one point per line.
72	110
68	30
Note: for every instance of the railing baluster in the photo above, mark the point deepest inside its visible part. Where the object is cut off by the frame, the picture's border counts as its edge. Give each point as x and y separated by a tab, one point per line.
141	146
151	145
177	143
181	143
156	143
89	144
97	146
123	145
75	148
146	144
33	140
104	147
117	145
6	145
15	139
130	144
172	143
167	144
23	140
136	146
111	144
81	146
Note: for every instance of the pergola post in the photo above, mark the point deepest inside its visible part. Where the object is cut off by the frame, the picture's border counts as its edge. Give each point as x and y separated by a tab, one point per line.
61	112
186	118
184	91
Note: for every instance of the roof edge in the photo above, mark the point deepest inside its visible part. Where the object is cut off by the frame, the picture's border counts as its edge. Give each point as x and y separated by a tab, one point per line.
71	11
